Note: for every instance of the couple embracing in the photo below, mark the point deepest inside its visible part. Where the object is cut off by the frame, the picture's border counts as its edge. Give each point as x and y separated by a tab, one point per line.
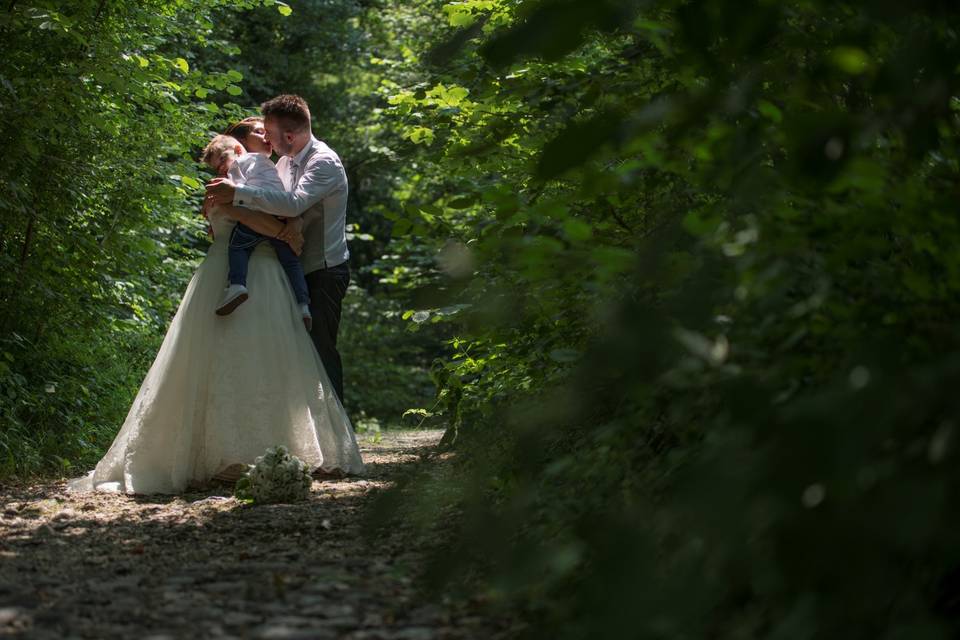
250	358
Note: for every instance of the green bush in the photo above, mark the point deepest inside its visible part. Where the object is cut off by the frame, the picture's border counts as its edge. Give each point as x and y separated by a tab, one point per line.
62	407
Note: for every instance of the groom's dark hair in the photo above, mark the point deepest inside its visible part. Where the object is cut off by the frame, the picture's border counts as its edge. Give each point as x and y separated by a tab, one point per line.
292	112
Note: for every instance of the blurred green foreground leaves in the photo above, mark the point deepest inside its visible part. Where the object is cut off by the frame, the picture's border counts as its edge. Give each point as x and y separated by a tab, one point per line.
705	375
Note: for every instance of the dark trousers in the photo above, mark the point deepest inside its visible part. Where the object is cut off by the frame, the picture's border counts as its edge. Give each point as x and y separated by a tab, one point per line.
327	288
243	240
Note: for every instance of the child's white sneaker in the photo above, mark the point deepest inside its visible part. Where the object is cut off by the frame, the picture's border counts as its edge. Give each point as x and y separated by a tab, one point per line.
307	317
233	297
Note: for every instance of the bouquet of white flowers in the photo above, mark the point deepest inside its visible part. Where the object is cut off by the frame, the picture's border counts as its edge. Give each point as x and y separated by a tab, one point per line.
277	476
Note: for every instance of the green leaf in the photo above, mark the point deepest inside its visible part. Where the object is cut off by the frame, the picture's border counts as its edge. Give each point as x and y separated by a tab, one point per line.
190	182
419	135
613	258
577	230
182	64
700	223
284	8
234	90
459	15
852	60
770	111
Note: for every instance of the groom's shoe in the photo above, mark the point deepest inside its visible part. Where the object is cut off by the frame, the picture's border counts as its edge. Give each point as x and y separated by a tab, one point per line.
307	317
233	297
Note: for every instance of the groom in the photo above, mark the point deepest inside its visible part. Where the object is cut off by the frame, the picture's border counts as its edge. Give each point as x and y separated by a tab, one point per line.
314	204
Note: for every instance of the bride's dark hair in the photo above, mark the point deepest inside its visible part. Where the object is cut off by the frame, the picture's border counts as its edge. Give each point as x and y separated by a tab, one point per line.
240	130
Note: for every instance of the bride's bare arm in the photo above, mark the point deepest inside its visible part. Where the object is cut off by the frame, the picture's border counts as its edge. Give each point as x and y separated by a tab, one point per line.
264	224
259	222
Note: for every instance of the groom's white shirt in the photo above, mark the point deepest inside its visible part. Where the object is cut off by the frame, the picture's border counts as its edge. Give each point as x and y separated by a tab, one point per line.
315	186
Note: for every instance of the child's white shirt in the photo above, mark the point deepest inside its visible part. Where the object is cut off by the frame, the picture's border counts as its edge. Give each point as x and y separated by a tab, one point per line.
255	170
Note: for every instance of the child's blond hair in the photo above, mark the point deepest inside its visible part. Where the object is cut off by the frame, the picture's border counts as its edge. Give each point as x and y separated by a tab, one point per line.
217	146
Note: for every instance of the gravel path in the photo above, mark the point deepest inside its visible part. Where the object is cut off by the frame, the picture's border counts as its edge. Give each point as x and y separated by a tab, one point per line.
202	565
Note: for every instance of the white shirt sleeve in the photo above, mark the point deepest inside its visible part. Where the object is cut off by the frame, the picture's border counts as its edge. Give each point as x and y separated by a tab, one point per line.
322	176
263	174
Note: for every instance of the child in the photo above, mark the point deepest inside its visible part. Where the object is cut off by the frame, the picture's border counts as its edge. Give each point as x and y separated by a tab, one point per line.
228	158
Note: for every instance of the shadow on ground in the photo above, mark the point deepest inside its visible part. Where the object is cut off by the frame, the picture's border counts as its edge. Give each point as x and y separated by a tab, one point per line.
204	565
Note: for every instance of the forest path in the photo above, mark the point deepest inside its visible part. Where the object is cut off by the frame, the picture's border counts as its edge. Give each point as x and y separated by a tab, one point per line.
202	565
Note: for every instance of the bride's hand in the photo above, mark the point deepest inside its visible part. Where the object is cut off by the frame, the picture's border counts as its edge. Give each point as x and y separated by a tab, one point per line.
292	227
294	239
292	234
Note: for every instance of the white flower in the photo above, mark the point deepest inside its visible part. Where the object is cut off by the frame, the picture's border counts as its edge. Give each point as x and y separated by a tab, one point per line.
277	476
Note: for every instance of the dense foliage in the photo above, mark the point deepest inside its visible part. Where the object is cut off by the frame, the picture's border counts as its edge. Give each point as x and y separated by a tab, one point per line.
97	234
703	259
686	273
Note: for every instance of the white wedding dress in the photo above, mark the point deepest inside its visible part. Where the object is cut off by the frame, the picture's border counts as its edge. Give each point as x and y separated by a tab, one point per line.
225	388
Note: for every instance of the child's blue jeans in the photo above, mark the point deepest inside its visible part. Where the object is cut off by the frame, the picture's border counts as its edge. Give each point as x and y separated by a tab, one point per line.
243	240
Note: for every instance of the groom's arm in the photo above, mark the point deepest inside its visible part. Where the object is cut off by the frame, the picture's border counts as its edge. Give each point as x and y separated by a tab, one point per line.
321	177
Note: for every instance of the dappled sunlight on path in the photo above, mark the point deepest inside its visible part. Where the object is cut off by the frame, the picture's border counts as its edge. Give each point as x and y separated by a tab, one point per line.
204	565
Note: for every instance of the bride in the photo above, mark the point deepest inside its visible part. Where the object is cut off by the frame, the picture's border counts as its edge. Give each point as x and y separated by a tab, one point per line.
222	389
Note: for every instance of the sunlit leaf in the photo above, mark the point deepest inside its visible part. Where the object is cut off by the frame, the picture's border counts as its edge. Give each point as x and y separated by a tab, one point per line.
852	60
190	182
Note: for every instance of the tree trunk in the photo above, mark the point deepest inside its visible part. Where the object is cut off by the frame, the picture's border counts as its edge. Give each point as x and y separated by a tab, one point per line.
28	240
